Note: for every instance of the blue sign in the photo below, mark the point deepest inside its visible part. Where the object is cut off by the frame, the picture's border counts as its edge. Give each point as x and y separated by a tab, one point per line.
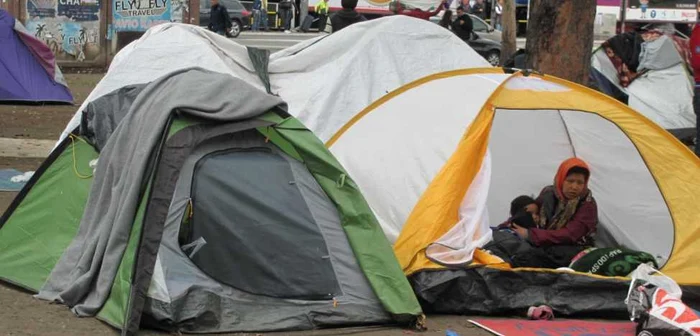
74	37
140	15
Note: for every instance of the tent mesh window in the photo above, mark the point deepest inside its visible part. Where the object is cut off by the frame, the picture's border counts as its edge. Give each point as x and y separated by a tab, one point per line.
258	231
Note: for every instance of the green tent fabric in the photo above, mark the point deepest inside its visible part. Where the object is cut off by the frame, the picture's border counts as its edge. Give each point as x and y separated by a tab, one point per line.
44	217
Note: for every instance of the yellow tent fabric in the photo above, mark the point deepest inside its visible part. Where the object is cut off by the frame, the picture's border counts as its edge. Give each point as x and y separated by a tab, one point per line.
674	168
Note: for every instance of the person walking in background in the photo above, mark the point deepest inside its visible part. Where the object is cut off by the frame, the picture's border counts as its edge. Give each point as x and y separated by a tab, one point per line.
346	16
498	14
695	62
466	5
219	20
263	16
257	8
285	10
446	20
478	9
463	25
322	11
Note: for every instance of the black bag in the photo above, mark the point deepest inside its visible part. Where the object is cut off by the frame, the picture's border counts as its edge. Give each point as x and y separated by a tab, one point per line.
507	245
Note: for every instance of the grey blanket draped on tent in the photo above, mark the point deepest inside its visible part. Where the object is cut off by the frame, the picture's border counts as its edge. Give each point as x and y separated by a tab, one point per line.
83	276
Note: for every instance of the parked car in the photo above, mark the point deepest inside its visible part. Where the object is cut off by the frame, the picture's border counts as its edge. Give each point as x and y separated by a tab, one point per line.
487	48
481	27
240	17
485	40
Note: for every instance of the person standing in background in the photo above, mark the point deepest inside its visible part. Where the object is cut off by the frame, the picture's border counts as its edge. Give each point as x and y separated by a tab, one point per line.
695	62
285	12
263	16
219	20
257	6
322	11
498	14
446	20
346	16
466	5
478	9
463	26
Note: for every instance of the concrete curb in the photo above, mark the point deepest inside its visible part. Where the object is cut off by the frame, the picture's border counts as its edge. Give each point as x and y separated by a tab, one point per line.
25	148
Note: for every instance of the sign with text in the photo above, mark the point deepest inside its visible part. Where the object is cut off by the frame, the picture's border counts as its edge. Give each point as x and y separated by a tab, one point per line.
40	9
662	10
79	10
140	15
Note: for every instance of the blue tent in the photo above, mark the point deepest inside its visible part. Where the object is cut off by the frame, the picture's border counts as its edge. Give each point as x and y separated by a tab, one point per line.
28	69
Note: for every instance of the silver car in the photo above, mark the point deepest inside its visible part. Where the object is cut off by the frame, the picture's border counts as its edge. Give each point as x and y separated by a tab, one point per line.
481	28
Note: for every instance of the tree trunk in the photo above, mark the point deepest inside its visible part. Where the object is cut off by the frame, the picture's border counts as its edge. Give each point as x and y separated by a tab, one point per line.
560	38
509	26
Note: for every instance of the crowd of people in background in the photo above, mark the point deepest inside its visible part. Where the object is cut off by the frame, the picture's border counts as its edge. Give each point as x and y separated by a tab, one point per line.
484	9
349	15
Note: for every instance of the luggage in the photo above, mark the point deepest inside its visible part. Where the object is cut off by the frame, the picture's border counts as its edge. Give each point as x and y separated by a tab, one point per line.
306	25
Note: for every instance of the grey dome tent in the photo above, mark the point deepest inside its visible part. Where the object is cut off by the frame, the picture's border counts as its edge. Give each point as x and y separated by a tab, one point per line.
205	213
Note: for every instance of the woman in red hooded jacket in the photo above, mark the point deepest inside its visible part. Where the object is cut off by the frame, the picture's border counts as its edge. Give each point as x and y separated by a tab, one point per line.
568	214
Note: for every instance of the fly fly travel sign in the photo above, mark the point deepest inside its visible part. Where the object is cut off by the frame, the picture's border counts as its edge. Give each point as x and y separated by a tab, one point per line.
139	15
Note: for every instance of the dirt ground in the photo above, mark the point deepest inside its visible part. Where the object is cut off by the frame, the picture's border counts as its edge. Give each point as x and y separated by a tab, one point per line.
21	314
48	121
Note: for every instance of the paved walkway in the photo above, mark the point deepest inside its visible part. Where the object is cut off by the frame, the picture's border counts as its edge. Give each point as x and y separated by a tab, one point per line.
25	148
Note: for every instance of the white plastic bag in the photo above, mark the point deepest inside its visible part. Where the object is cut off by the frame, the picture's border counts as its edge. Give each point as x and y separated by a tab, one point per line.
651	275
22	178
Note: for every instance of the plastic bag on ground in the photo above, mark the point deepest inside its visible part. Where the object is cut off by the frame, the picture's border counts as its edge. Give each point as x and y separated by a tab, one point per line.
658	313
22	178
647	274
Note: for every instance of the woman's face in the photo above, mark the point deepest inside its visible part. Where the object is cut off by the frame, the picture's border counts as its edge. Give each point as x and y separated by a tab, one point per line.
574	185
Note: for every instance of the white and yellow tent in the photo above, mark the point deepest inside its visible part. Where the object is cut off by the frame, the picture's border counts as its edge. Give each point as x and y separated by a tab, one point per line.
440	159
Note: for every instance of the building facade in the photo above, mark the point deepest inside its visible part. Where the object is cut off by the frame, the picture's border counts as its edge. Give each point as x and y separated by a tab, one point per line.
87	33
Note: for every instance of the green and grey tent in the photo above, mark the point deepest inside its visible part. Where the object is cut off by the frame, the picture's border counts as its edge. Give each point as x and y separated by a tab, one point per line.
179	207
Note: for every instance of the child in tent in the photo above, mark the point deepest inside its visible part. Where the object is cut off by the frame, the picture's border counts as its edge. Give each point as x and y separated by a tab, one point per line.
524	212
506	243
